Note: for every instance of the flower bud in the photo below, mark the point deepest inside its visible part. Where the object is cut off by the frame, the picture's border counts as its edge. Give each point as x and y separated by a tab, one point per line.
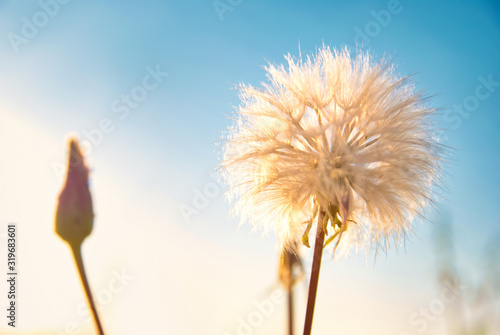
74	214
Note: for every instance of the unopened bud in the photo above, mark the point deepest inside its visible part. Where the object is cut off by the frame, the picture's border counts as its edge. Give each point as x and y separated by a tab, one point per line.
74	215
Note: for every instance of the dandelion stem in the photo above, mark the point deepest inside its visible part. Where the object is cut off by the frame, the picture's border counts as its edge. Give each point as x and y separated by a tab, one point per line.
77	253
313	284
290	297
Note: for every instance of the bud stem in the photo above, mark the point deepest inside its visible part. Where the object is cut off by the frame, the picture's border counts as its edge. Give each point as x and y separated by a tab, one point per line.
77	254
313	283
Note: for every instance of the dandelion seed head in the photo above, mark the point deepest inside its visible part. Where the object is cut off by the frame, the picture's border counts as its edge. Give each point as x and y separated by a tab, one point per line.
332	130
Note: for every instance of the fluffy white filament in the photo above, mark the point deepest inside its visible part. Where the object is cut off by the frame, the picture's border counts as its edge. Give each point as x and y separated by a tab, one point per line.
331	130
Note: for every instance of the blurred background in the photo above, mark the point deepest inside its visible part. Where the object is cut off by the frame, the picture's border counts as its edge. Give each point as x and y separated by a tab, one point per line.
149	86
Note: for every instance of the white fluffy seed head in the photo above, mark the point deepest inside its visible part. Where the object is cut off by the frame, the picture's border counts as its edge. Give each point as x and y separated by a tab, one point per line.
332	130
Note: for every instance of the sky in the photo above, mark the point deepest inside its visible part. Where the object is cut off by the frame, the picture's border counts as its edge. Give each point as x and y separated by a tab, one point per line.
70	67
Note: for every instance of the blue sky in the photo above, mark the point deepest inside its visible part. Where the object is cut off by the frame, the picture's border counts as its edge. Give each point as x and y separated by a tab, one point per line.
67	76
